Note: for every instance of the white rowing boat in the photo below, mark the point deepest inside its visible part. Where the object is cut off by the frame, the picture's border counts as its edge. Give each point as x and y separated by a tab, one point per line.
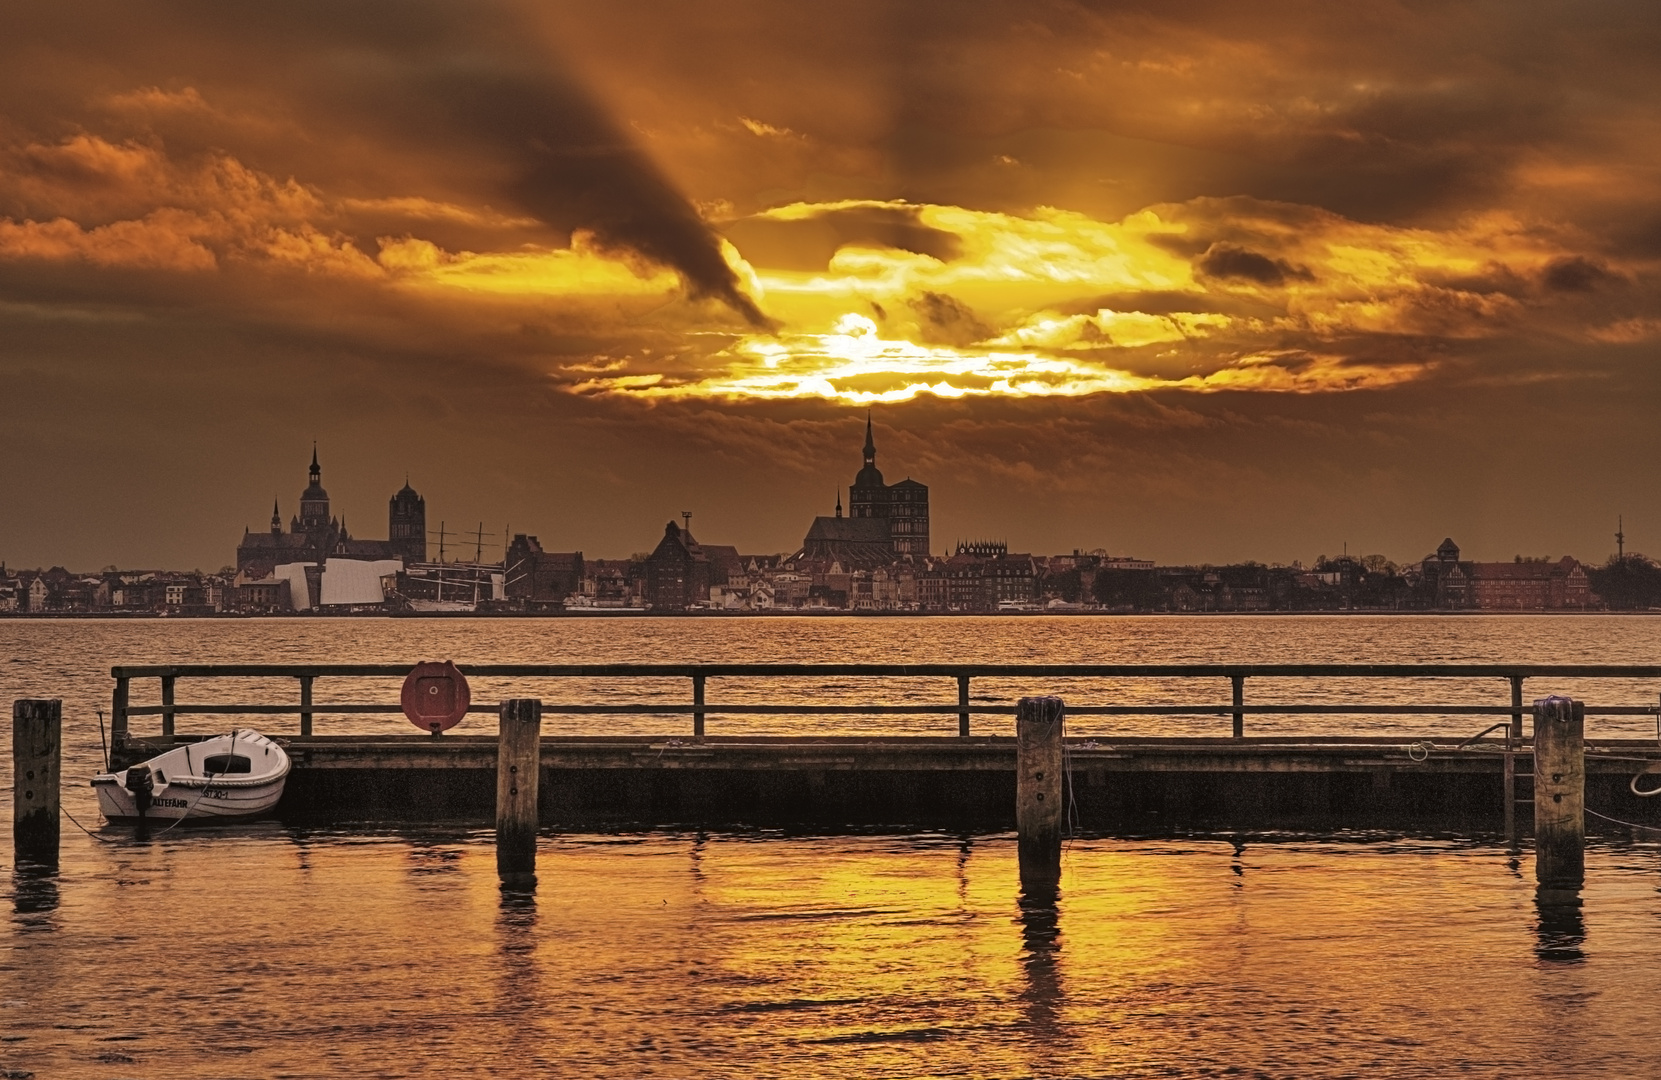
239	775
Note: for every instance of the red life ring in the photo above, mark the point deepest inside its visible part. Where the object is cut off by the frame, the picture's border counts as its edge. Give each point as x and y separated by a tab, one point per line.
435	696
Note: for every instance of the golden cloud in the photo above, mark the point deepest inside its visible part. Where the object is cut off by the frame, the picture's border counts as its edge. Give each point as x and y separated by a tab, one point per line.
905	299
1211	294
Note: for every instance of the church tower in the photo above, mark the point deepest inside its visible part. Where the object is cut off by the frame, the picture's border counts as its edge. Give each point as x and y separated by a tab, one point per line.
314	501
406	524
869	495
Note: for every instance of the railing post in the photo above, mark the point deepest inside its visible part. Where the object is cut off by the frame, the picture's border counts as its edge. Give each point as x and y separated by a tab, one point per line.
37	745
1239	682
698	706
167	706
118	713
1038	769
963	706
1559	791
305	704
518	764
1513	738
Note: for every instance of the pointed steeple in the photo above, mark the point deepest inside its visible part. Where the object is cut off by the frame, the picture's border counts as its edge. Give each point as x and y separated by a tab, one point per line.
870	441
838	502
276	519
316	469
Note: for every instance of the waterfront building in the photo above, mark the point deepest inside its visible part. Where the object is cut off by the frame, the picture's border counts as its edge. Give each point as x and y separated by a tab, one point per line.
406	524
1447	582
677	571
541	579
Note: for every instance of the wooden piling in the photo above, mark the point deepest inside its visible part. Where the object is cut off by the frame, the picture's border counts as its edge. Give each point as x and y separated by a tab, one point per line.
118	714
37	741
1038	791
518	763
1559	791
305	704
698	706
1239	686
167	702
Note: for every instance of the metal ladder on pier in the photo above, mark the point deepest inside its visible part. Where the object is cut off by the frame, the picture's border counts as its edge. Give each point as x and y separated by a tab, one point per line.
1513	750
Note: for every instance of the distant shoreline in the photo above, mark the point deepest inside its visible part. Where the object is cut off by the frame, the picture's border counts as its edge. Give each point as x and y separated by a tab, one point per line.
612	614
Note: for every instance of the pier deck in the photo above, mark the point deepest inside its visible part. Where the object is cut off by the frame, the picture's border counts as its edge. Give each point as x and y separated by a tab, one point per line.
942	782
1466	779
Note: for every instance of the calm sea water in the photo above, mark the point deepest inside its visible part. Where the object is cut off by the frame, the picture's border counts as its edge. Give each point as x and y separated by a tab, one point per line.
266	951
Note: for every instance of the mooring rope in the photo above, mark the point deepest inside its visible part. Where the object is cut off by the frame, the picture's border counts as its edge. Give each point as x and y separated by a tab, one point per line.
64	810
1618	821
1072	816
1647	771
206	786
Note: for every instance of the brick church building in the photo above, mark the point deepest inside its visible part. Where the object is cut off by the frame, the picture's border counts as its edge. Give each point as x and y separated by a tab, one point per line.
314	535
885	522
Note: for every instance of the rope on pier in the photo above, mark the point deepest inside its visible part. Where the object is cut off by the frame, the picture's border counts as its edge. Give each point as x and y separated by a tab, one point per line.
1072	815
1420	751
1618	821
1646	771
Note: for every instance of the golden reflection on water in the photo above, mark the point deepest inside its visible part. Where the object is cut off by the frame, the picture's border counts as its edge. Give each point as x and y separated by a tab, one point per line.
265	952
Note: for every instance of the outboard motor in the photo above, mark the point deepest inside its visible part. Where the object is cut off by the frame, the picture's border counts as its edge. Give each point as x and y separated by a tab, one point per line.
142	785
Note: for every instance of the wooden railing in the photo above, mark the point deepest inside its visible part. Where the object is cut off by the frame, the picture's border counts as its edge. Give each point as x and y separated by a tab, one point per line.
307	707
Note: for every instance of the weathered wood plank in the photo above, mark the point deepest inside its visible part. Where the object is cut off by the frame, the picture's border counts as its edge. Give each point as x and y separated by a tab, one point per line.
517	768
1559	792
1039	730
37	754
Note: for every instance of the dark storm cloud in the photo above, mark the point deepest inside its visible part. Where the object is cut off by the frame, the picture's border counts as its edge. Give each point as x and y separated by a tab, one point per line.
1575	273
1380	111
1230	261
949	321
422	82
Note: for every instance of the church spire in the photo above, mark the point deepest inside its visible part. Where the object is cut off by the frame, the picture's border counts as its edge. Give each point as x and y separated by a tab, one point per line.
276	518
316	470
870	441
838	502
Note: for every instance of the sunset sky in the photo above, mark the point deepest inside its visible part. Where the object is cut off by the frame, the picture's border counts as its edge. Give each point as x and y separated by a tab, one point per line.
1185	281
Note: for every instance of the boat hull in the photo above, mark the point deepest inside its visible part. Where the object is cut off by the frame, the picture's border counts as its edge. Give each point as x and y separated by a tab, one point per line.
186	787
171	802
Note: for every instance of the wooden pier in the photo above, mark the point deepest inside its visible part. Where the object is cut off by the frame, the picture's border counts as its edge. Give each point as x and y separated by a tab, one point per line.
1461	781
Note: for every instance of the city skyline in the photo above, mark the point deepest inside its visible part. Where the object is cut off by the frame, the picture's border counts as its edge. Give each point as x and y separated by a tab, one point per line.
1190	282
316	526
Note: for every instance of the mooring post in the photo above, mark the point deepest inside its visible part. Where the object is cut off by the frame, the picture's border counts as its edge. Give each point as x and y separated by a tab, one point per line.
1559	791
305	704
118	714
1038	769
518	762
963	706
1513	738
1239	682
37	730
167	706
